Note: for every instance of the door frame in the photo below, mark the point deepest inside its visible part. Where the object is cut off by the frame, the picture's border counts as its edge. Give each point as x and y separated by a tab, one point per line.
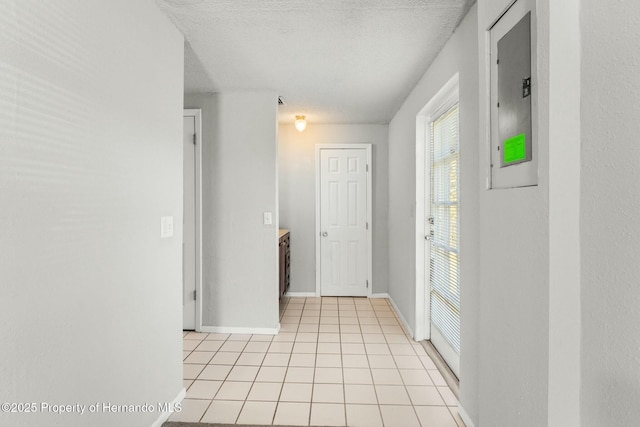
440	103
361	146
197	114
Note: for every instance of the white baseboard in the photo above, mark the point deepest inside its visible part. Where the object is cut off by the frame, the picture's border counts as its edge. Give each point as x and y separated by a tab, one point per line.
465	417
240	330
300	294
401	317
383	295
164	416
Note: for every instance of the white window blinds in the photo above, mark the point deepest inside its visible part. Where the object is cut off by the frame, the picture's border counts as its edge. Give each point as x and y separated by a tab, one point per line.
443	255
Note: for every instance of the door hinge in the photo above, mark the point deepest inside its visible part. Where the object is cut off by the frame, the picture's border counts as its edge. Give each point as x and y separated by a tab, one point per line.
194	139
367	284
367	168
194	295
367	225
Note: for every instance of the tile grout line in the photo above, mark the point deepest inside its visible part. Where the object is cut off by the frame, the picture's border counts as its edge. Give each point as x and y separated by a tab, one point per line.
375	390
413	406
314	367
288	362
341	316
229	373
398	368
223	381
275	411
344	391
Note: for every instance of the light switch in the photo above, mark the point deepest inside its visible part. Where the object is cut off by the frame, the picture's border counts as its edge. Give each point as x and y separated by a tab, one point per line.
268	219
166	227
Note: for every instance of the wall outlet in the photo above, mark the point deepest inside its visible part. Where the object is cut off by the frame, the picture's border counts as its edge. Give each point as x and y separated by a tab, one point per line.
166	227
267	218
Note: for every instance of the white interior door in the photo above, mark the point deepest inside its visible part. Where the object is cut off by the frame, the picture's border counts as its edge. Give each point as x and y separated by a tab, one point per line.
344	224
442	240
189	225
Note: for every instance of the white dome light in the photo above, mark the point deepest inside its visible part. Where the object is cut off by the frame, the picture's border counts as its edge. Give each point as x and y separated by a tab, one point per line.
300	123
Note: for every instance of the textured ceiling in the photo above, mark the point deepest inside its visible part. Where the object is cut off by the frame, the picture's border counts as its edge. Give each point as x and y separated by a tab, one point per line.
336	61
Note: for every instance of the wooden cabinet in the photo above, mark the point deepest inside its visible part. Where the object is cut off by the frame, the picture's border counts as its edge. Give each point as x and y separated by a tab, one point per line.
285	262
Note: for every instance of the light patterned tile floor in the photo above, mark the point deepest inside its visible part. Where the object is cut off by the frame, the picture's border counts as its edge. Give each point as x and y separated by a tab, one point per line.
336	362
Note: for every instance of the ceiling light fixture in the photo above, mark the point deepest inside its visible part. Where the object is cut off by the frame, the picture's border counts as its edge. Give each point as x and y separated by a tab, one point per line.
300	123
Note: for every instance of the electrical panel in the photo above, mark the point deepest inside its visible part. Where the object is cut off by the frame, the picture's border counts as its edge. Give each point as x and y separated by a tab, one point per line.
514	149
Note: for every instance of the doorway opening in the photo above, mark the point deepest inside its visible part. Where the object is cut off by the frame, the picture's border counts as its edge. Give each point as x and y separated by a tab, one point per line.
192	221
437	225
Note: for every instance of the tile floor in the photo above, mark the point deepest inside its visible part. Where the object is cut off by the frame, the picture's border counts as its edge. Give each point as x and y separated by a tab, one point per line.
335	362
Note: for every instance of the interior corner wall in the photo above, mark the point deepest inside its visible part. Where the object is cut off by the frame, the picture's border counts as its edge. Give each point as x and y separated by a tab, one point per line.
90	159
296	180
458	56
610	202
239	184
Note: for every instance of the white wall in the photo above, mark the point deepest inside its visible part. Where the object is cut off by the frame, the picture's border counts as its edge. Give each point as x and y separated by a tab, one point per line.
90	159
296	180
610	202
558	263
564	212
514	260
458	56
520	252
239	153
529	360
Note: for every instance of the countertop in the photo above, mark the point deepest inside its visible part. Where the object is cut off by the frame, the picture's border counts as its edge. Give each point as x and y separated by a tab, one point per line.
283	231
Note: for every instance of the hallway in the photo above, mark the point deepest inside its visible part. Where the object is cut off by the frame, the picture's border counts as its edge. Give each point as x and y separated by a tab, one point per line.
336	361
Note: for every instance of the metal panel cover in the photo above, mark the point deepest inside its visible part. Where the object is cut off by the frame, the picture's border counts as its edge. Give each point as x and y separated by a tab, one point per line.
514	94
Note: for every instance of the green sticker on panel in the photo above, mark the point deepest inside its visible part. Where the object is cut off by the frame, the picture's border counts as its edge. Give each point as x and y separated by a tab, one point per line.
515	149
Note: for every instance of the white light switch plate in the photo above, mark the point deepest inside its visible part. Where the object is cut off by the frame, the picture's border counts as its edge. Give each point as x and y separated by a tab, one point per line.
166	227
267	218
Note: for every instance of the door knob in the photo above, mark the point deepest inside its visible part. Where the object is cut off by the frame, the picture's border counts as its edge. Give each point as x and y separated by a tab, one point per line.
325	234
